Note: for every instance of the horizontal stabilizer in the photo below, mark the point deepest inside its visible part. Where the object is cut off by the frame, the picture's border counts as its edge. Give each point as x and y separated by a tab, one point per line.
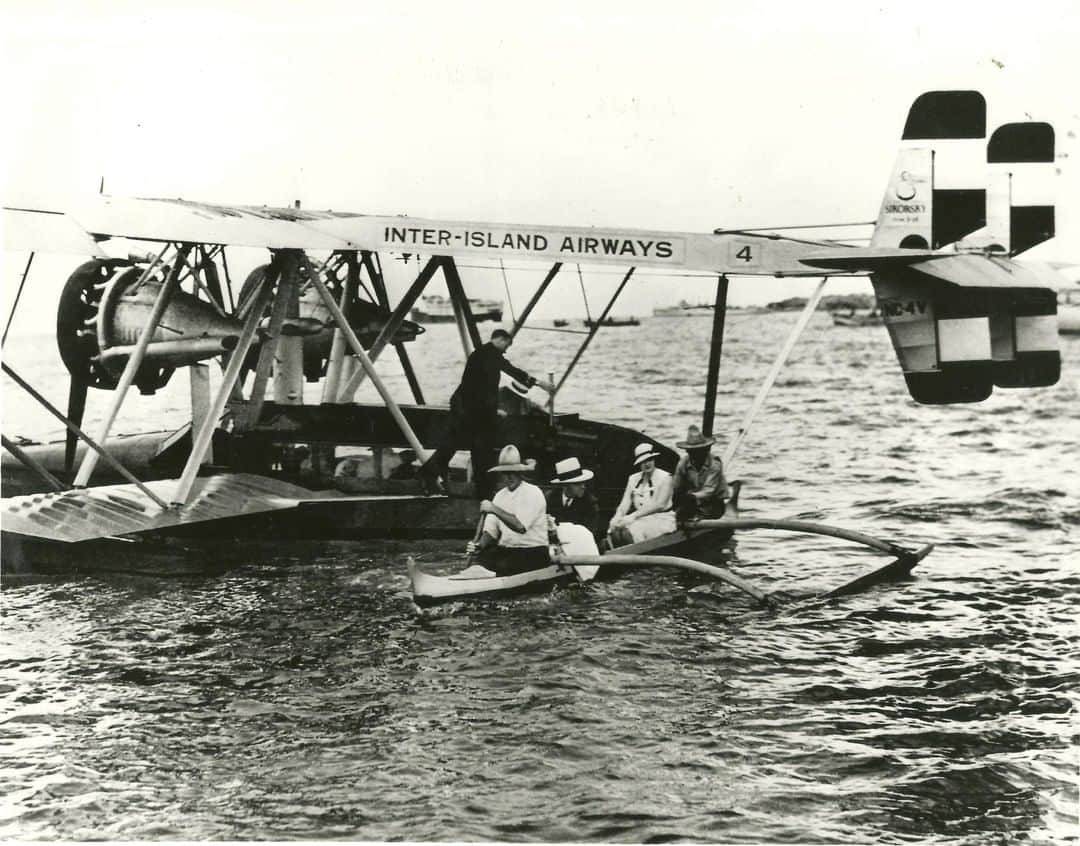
975	271
867	258
78	515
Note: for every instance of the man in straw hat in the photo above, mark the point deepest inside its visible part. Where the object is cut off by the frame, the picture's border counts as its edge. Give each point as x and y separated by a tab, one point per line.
515	536
569	501
700	487
474	411
645	509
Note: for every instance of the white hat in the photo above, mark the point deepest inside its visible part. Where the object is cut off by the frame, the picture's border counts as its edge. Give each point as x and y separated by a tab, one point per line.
510	462
568	471
643	452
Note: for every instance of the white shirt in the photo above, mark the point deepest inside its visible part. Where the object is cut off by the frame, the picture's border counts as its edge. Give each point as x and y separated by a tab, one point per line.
643	493
527	503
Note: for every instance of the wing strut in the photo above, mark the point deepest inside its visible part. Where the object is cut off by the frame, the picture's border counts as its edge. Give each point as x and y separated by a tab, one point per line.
763	391
470	335
715	348
592	332
33	464
200	442
90	442
392	325
551	274
365	362
332	382
134	362
374	269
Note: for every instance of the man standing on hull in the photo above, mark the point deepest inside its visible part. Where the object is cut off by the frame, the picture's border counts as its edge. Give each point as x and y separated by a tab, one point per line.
474	412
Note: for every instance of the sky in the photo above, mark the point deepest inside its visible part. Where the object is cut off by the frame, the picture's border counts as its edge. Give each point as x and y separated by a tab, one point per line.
673	116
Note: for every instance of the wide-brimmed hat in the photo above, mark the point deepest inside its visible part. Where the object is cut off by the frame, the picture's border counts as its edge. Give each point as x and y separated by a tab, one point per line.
568	471
695	440
643	452
510	462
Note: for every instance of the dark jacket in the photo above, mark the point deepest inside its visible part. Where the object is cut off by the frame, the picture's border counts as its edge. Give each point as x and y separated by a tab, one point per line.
582	510
477	396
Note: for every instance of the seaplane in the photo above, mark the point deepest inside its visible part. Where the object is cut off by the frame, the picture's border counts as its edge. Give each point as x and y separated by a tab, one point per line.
964	312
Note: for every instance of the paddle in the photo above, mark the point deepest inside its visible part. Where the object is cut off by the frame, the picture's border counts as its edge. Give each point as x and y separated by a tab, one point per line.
476	537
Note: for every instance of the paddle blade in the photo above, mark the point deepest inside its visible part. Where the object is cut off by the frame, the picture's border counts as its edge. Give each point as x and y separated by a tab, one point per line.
585	573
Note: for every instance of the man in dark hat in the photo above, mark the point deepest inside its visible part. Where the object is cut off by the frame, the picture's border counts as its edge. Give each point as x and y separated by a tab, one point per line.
407	469
699	485
569	501
474	411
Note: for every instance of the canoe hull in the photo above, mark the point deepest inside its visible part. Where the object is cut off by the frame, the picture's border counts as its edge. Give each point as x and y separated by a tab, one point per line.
432	589
708	545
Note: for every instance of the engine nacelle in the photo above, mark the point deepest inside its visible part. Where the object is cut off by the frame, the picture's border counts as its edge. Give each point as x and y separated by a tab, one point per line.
314	322
103	310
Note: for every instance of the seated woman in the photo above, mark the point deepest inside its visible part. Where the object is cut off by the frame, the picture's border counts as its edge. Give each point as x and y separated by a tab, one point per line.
645	510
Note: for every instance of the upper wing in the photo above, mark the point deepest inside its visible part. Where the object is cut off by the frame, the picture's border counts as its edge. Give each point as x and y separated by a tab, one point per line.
40	229
748	254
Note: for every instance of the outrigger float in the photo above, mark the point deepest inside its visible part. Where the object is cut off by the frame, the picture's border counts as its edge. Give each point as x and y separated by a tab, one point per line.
255	460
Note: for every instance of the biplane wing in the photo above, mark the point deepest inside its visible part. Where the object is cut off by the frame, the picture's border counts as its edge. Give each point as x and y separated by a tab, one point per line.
49	230
164	220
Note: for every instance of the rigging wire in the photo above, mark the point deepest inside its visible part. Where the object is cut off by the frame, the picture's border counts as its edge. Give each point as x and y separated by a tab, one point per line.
18	294
228	281
506	284
584	296
721	230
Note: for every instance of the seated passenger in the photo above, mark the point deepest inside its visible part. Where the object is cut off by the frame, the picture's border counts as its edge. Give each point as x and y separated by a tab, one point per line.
569	501
645	509
699	485
407	469
515	535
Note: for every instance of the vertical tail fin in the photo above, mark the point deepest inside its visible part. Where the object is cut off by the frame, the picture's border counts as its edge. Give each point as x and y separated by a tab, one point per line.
922	206
1021	210
964	324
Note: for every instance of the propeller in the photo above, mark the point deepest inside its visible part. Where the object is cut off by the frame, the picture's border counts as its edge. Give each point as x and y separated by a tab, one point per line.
77	390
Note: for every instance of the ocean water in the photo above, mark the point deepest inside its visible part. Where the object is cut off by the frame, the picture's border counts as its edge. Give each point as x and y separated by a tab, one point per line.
301	694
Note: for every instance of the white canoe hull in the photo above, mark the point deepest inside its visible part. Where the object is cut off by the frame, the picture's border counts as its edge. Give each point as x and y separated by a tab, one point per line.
431	589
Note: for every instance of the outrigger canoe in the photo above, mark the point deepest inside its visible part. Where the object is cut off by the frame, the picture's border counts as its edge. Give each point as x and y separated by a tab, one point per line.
575	557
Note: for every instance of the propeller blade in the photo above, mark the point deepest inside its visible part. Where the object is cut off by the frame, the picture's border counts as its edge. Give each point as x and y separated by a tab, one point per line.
77	390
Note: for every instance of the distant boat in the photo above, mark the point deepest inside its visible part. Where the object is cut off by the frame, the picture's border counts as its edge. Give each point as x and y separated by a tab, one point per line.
561	322
615	321
439	309
853	318
1068	313
683	309
1068	320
